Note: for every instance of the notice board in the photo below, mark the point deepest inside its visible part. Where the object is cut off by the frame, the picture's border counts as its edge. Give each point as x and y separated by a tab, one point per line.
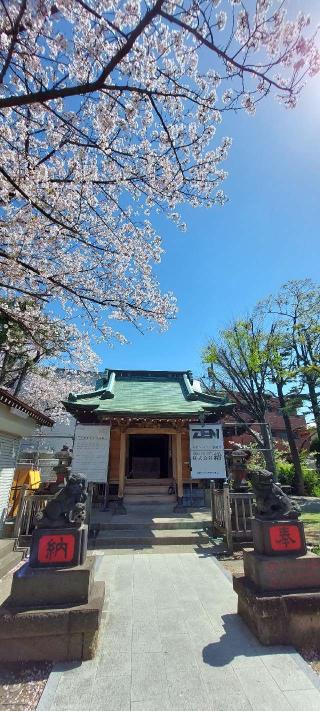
91	452
207	451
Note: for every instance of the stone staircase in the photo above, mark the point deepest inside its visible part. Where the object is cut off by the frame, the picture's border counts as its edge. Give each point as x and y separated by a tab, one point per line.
9	558
149	526
148	491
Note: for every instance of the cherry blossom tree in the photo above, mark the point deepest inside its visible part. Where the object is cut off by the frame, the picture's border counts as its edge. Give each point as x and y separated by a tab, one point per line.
46	386
44	358
37	341
109	112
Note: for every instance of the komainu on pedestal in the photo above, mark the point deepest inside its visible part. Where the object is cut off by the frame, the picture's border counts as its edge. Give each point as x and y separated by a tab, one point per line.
279	594
55	606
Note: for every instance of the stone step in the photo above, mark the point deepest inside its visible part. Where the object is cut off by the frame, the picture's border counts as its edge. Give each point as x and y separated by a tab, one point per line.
149	537
149	498
147	489
6	546
9	561
149	482
157	525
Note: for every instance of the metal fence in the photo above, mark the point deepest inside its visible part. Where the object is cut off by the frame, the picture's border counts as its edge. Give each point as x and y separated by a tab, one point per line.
231	514
30	504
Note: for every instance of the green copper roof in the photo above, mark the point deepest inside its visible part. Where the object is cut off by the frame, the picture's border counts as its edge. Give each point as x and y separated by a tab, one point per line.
132	392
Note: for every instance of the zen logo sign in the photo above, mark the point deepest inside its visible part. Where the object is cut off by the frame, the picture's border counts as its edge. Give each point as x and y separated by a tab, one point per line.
207	452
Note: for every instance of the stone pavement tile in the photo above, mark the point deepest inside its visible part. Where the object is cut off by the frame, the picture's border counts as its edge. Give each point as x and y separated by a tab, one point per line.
166	598
220	677
60	706
193	608
202	633
171	621
183	701
229	700
119	619
183	680
209	661
187	692
143	603
178	644
286	672
157	703
82	668
73	692
146	637
259	685
179	654
224	688
111	693
119	639
148	676
114	661
124	608
143	613
77	702
308	700
75	684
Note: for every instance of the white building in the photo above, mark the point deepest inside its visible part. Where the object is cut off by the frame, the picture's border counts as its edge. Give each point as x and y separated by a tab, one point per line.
17	420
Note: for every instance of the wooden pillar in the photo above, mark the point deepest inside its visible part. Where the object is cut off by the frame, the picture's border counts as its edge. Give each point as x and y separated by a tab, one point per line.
179	466
174	457
122	463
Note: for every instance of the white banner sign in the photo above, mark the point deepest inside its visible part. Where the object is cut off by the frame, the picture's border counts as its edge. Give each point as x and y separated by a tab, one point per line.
91	452
207	452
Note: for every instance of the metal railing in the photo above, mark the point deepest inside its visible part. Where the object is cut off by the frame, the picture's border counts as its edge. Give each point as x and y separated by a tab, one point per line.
231	514
31	504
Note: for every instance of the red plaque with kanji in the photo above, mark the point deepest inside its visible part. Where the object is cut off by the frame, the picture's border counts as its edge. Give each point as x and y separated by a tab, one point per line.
53	549
285	537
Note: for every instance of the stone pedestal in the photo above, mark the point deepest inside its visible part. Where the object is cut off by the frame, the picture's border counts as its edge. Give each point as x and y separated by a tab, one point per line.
52	614
272	573
285	618
281	537
35	587
279	594
54	547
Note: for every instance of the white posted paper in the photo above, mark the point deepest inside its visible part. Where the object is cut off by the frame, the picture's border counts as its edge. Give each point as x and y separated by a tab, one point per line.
91	452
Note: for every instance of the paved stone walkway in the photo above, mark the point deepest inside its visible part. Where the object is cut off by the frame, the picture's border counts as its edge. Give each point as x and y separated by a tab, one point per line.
172	642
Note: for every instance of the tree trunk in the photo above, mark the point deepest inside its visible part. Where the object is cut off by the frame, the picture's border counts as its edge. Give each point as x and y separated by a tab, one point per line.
21	379
268	447
314	403
297	484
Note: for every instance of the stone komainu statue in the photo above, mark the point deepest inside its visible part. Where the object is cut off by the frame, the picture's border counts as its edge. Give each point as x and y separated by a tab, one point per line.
271	502
68	508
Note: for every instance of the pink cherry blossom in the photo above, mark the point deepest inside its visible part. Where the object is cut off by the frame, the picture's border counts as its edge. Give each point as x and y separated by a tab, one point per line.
107	118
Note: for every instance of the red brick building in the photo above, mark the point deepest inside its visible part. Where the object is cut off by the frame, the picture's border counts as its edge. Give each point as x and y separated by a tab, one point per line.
235	433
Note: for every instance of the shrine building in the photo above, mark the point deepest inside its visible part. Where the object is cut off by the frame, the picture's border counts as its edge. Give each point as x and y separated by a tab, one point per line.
134	435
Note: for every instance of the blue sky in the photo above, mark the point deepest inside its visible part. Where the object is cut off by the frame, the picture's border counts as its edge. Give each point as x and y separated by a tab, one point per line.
231	257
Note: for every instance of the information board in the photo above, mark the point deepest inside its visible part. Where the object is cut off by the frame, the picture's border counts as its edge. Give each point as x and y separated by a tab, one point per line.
207	452
91	452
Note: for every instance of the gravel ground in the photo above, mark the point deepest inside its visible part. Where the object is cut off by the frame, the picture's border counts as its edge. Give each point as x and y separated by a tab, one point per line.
21	685
233	564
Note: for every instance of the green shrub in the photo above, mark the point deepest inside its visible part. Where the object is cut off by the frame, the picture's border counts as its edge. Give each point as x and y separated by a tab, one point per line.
311	482
285	472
